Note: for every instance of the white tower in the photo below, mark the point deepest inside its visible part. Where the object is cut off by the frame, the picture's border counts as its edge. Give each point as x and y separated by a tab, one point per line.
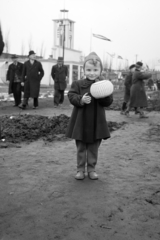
63	35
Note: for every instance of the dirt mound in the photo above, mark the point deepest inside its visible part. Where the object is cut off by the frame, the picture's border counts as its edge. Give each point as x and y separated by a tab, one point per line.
29	128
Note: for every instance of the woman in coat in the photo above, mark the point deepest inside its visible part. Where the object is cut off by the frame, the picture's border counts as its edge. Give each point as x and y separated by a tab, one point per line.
138	96
31	77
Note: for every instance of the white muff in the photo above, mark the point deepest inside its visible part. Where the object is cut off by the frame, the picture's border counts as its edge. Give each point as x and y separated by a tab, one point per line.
101	89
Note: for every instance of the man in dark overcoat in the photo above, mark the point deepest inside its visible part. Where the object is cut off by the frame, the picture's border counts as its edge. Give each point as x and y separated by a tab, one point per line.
1	42
127	88
138	96
31	77
14	76
59	74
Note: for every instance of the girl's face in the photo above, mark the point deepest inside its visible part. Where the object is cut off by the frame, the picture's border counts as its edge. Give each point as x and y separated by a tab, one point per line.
92	71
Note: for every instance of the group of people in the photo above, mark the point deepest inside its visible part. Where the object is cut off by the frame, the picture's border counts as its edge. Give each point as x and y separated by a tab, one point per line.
27	77
87	125
134	91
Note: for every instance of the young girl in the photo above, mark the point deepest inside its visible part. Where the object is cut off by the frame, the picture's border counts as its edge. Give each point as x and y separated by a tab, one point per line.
88	124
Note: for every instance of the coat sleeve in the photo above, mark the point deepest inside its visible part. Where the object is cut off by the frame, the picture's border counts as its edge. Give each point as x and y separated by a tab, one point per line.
74	95
41	71
53	72
21	70
143	76
8	73
107	101
24	71
1	42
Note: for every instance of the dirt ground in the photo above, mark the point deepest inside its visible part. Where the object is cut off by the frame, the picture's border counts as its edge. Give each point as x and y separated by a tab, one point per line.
41	200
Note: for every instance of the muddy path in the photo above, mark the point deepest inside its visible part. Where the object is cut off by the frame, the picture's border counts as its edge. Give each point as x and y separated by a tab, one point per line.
40	199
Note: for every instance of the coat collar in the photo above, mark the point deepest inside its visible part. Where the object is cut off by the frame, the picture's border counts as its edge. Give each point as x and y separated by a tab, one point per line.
87	83
59	68
30	64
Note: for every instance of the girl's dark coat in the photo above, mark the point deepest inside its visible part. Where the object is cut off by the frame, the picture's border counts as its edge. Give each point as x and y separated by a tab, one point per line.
31	76
12	70
88	121
138	96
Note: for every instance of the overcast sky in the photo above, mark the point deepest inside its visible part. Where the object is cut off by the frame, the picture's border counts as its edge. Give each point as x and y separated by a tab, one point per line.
132	25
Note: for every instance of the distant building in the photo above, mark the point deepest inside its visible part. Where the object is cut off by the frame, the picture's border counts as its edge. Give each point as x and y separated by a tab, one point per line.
157	68
72	57
63	29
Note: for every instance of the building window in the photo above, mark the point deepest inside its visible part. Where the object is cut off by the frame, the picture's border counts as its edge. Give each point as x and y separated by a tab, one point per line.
68	73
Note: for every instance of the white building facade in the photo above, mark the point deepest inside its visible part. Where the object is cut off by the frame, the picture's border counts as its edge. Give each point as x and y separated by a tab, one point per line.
63	46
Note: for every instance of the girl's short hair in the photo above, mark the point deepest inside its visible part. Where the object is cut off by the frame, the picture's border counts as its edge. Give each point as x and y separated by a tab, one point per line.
94	62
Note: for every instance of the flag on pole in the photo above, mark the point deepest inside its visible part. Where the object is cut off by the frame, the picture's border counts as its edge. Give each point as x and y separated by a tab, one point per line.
119	57
112	55
101	37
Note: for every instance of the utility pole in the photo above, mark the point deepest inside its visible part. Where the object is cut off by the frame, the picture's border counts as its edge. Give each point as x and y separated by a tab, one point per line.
64	29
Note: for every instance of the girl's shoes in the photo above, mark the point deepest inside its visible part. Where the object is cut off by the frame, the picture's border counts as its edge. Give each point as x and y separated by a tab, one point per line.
93	175
80	175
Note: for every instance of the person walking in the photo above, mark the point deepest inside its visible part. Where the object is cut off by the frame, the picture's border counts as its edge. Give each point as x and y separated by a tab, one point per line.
127	87
138	96
14	76
31	77
59	74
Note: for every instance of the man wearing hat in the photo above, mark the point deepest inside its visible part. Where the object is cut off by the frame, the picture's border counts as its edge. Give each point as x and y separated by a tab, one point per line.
31	77
14	74
138	96
127	87
59	74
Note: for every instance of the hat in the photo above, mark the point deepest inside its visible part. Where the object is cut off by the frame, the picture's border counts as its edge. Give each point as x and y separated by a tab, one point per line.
132	66
60	58
139	64
93	56
14	56
31	52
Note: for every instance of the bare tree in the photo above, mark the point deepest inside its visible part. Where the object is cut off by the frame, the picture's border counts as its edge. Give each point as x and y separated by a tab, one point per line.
7	41
30	43
22	49
42	50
